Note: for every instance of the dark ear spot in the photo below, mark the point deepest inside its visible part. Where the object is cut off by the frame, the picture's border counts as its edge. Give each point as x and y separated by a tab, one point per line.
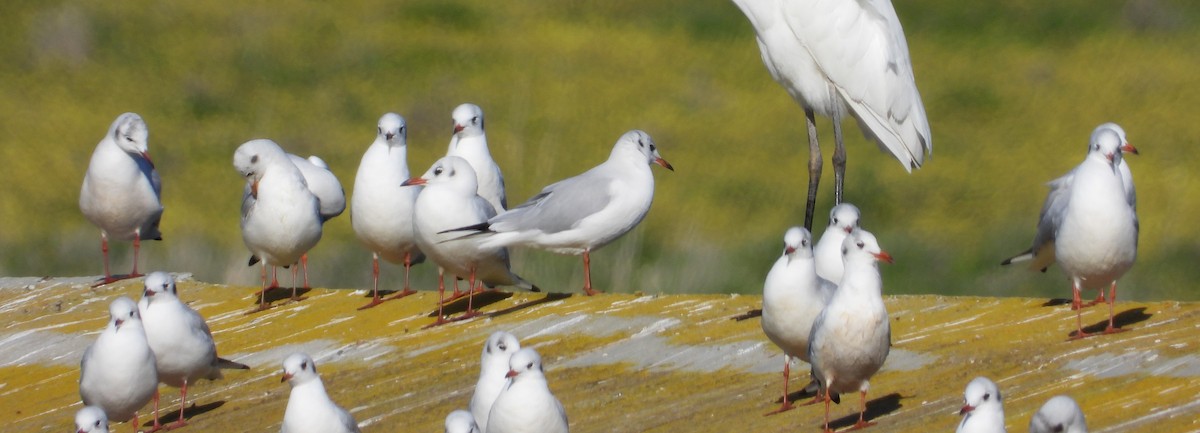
254	159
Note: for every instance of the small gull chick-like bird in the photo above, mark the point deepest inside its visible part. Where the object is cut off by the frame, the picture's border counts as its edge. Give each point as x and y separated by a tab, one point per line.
309	409
580	214
983	408
325	186
526	404
281	218
493	370
469	142
793	297
461	421
121	191
1089	224
450	200
843	219
183	346
91	419
1060	414
852	336
381	211
117	373
844	58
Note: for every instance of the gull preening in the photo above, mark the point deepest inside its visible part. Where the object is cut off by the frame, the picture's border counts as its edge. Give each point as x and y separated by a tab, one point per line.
1060	414
121	191
838	58
309	409
469	142
493	371
183	346
1089	224
983	408
381	211
580	214
91	419
526	404
450	200
461	421
117	372
323	184
843	219
852	336
793	297
281	218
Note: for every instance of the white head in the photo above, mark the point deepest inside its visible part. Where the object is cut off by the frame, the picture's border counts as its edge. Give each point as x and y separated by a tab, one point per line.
159	285
1060	414
861	244
844	216
130	134
525	363
797	242
461	421
317	161
253	157
1108	142
501	345
468	120
981	393
123	312
91	419
450	172
392	129
639	141
299	369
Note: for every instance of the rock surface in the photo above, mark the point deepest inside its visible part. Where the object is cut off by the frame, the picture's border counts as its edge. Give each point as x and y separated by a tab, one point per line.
619	363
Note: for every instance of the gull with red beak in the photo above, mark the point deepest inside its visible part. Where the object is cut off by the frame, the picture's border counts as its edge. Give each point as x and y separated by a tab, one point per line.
309	408
852	336
470	143
580	214
526	405
793	297
1089	224
843	218
983	408
281	218
117	373
121	191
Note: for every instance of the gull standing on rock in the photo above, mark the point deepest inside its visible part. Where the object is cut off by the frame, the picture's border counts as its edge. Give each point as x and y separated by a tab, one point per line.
1060	414
281	218
983	408
381	211
493	370
309	409
117	372
183	346
449	200
91	419
852	336
793	297
843	58
325	186
470	143
461	421
121	191
526	404
583	213
843	219
1089	222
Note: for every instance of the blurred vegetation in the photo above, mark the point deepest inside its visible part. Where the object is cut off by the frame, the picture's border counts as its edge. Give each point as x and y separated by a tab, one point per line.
1012	90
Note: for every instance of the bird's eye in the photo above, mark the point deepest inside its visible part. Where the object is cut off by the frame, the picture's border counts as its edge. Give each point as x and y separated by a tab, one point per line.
437	171
402	130
860	244
254	159
652	148
97	423
986	397
835	221
304	365
475	119
502	346
804	242
529	366
1097	146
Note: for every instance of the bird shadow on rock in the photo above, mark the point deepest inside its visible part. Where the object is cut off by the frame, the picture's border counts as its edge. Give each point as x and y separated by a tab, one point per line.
1054	302
799	397
1120	321
550	297
188	413
480	300
875	409
748	315
281	293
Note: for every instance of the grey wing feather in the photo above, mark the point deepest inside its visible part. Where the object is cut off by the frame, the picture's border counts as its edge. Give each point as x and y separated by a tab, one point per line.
558	207
248	202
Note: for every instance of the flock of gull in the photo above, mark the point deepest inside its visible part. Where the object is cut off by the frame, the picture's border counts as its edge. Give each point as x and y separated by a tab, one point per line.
822	303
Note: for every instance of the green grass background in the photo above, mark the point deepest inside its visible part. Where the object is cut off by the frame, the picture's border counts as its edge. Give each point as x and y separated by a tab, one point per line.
1012	90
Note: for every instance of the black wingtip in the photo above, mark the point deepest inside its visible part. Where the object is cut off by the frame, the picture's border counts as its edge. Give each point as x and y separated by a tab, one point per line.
253	260
535	289
837	398
231	365
481	227
1006	262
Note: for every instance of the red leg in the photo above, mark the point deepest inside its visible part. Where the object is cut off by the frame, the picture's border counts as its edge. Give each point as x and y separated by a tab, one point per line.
862	413
295	271
262	294
182	405
787	405
407	268
1112	297
1078	314
827	400
441	297
104	249
587	273
470	297
137	246
136	426
375	288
